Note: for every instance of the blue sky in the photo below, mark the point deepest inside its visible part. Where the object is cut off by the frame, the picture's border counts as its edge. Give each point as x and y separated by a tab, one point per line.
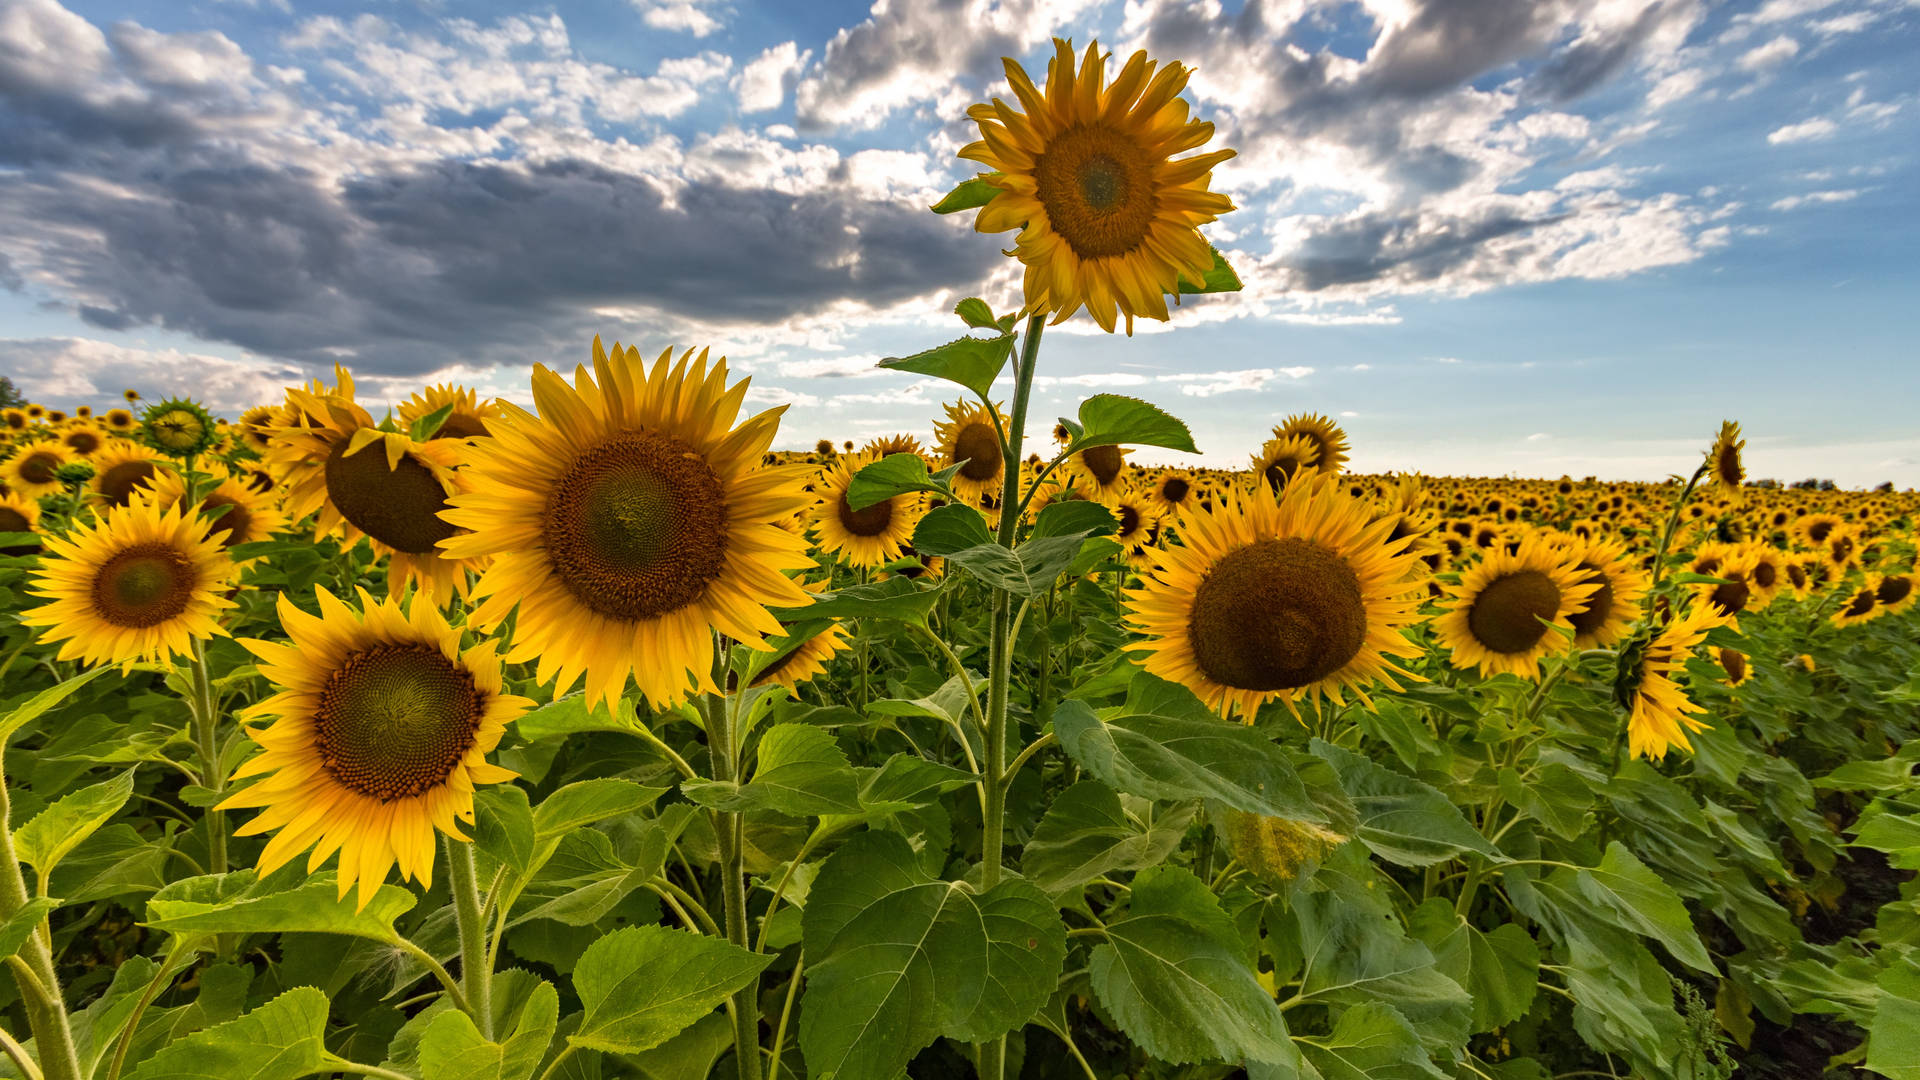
1487	236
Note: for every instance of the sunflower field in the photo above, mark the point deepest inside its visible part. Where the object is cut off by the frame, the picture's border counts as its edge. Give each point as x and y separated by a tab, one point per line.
462	741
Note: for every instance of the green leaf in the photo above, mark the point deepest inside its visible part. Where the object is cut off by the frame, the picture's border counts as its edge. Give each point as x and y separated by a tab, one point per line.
949	529
897	599
451	1048
1220	278
1176	760
56	831
968	195
1401	819
281	1040
897	474
590	801
1076	518
905	781
15	931
975	313
801	772
690	1055
643	985
1500	970
203	905
970	361
1085	835
1637	900
1370	1042
1893	1038
1174	975
424	427
503	825
1353	955
31	709
565	716
1114	419
897	958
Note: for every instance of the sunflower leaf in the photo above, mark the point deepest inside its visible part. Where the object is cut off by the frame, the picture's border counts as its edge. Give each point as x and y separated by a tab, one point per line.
1115	419
898	474
1085	834
56	831
452	1048
31	709
643	985
975	313
423	428
15	931
1218	279
970	361
967	195
1401	819
280	1040
229	904
898	599
1177	760
801	772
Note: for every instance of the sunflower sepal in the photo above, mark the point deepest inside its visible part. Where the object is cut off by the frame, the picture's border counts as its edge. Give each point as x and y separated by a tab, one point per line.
970	361
1219	278
900	474
1115	419
970	194
423	428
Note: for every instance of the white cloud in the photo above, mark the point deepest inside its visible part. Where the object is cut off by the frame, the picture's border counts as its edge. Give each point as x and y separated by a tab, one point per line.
832	367
1212	383
1777	51
68	371
1816	128
764	81
1815	198
690	16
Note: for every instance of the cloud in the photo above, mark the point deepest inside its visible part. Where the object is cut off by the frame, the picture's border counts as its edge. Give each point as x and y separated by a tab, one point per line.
1773	53
1804	131
690	16
765	80
832	367
1814	198
69	371
1247	380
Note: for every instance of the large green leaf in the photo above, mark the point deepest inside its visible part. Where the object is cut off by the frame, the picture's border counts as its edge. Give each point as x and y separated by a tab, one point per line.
801	772
1174	975
643	985
589	801
56	831
969	194
22	923
1352	955
1893	1039
1401	819
1637	900
970	361
204	906
570	715
1177	760
34	707
452	1048
1499	970
897	474
1085	835
689	1055
897	958
281	1040
1370	1042
896	598
503	825
1114	419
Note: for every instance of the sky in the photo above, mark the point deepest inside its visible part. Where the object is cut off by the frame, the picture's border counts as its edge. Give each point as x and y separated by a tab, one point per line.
1489	237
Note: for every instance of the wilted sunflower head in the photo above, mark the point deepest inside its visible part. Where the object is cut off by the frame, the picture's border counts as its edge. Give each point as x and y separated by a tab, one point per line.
1108	219
1277	850
178	427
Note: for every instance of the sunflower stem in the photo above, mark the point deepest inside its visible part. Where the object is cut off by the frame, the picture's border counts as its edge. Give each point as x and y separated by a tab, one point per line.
45	1006
727	829
474	975
206	722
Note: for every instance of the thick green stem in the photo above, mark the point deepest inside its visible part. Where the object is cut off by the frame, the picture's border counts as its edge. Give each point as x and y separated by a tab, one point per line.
475	975
206	733
727	829
46	1007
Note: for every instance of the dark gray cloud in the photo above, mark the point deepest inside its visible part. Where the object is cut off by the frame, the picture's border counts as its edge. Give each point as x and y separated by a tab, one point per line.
1586	64
1408	249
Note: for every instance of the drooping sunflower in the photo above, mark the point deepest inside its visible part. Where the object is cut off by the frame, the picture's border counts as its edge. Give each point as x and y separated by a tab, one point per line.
628	521
18	515
122	469
969	434
798	663
34	469
1329	441
1108	218
380	730
1660	714
1498	616
248	516
1619	586
142	583
1894	592
1264	598
1861	605
361	481
1282	458
1733	595
256	428
1723	461
467	417
869	537
1734	663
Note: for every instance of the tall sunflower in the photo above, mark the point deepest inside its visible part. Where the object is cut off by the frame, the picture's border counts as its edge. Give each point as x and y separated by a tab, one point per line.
1266	598
1108	218
629	520
1619	586
1723	461
1329	441
1281	458
467	418
380	730
1499	615
142	583
970	435
1660	714
1100	473
866	538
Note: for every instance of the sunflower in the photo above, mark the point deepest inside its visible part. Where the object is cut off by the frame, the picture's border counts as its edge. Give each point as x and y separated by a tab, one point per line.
1173	491
1329	442
1723	461
1100	472
178	426
1794	573
122	469
1282	457
865	538
971	434
1733	595
256	428
1841	550
248	516
34	469
1619	588
1266	598
1734	663
798	663
142	583
891	444
380	730
1660	715
467	418
1138	526
1768	575
18	515
362	481
119	421
628	520
15	420
1107	218
1504	611
1863	605
1894	592
1811	531
83	439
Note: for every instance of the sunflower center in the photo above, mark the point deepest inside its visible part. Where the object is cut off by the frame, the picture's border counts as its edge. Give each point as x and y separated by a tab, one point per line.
1104	463
1732	597
400	507
1281	470
869	522
39	468
1862	602
83	442
1797	575
1891	591
143	586
13	521
1817	532
1097	186
1599	603
1764	575
1277	615
1175	490
457	426
1729	465
395	720
1129	521
1506	615
234	523
1734	663
979	447
638	526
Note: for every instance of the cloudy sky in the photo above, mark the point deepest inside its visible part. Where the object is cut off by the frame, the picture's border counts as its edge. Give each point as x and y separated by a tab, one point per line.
1488	236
